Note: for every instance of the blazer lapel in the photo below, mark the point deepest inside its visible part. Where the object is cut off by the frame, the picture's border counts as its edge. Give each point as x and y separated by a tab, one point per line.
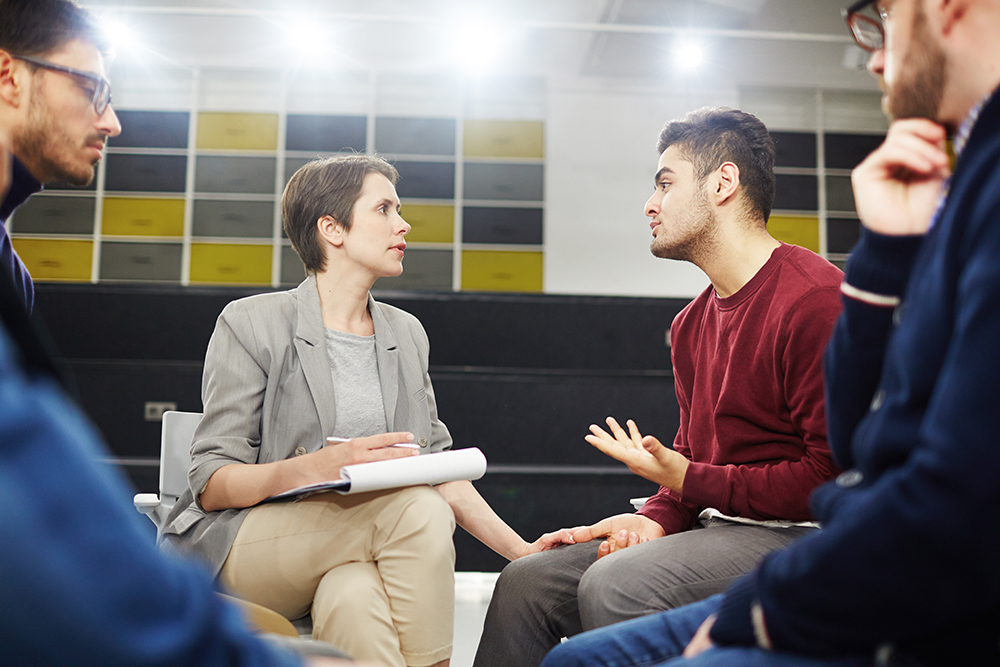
387	357
310	343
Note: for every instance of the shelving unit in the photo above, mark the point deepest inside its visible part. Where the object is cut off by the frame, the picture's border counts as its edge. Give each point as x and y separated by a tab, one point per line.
193	196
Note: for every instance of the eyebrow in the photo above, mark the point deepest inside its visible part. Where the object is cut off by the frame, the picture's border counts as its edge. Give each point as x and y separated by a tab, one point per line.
389	202
661	173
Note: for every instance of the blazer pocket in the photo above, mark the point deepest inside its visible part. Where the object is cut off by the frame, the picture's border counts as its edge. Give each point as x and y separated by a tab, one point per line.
419	395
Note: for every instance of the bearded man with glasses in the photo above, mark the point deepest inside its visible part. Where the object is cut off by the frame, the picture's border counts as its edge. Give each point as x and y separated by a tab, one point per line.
55	109
905	571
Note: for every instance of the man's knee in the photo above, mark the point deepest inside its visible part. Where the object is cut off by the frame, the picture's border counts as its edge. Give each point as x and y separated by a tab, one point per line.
522	579
600	583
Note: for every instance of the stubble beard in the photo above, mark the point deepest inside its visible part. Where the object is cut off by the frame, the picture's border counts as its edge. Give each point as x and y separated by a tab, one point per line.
697	237
920	87
46	148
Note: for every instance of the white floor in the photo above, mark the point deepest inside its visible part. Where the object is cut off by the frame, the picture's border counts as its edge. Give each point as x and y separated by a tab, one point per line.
472	597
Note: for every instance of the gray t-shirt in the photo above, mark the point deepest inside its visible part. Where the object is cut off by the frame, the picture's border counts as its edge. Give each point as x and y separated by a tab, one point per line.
360	410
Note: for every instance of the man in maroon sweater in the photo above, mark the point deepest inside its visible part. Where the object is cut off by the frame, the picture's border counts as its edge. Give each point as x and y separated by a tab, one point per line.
751	445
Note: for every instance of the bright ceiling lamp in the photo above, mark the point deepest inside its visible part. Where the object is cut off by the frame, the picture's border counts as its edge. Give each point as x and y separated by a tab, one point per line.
687	55
120	35
478	44
307	38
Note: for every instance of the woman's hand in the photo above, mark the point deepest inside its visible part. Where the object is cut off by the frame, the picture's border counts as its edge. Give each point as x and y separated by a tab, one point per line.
325	464
549	541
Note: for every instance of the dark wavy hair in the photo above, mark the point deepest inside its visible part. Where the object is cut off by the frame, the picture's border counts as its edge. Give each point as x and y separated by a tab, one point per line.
708	137
39	27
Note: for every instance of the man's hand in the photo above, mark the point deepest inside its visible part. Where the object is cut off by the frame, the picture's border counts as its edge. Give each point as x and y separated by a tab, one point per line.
621	531
897	187
701	642
646	457
326	463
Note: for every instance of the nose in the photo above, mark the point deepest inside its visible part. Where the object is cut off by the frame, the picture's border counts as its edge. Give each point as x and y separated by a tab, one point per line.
876	63
653	204
108	123
405	228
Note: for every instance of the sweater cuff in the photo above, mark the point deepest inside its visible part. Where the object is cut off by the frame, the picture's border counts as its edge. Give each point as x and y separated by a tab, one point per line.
881	264
665	509
703	483
734	623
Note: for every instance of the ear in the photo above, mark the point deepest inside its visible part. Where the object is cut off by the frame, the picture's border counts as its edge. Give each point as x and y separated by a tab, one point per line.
13	80
950	12
331	231
724	183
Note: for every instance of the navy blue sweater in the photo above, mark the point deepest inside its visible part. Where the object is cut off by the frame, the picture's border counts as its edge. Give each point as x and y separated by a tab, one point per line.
909	555
22	186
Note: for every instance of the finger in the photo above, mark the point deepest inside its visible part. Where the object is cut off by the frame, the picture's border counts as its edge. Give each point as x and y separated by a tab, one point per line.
617	430
633	431
633	539
603	550
587	533
608	446
599	432
652	445
386	440
922	127
910	152
612	544
386	453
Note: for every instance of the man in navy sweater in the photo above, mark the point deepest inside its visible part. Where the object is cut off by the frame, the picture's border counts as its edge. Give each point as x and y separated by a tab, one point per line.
55	107
905	570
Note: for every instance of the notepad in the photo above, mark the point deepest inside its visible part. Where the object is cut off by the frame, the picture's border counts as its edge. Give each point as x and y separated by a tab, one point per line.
437	468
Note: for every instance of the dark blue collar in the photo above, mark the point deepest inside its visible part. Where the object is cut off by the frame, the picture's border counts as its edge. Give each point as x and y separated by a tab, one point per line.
22	186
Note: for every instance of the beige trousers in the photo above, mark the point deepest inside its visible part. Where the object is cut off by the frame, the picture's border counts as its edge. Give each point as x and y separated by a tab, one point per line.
377	570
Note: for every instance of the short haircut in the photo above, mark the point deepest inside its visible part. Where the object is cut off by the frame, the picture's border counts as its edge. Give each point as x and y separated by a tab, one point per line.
708	137
330	186
38	27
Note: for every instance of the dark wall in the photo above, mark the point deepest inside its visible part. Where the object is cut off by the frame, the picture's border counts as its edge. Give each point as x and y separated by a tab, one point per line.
519	376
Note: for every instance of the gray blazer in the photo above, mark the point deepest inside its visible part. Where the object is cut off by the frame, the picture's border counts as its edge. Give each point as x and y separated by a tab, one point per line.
268	395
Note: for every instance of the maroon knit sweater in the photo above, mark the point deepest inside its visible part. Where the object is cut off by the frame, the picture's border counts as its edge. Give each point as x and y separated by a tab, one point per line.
749	380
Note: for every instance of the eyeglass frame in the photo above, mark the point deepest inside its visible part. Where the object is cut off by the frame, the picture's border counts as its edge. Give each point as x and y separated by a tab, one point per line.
853	13
102	87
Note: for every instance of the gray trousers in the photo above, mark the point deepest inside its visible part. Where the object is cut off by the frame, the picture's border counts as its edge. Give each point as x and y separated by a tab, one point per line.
541	598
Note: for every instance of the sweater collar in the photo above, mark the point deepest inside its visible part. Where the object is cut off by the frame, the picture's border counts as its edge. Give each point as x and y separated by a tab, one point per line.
22	186
754	283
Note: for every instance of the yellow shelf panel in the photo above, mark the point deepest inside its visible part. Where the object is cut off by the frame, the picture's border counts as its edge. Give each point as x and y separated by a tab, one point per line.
504	138
797	230
237	131
502	270
56	259
230	264
430	223
125	216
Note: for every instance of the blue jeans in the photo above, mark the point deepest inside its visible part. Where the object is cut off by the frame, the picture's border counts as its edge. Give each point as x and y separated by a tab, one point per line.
660	638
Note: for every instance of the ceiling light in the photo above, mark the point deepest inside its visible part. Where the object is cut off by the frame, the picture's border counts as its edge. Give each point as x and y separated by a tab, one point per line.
687	55
306	37
478	44
121	36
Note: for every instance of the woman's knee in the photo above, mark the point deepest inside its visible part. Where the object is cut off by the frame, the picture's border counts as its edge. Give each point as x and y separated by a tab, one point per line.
418	516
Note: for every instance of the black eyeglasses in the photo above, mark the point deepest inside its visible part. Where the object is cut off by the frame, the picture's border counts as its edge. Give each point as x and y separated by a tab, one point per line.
868	32
101	96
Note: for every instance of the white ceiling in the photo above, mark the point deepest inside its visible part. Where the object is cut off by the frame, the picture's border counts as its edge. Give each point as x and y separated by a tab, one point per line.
796	43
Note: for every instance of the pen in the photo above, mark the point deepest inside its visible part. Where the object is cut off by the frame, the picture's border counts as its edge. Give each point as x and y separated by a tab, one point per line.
402	445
